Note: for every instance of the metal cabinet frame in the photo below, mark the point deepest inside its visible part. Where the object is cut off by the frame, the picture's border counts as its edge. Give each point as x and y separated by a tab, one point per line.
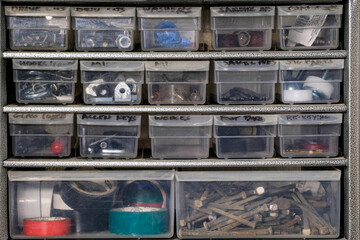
351	89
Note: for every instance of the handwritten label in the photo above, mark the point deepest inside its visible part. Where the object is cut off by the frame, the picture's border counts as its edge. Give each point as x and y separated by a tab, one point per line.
249	63
248	118
44	116
177	10
311	7
244	9
172	118
35	9
97	9
309	62
307	117
27	63
127	118
99	64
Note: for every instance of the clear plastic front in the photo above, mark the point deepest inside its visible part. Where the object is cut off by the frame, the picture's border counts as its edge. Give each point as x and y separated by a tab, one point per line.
310	86
41	140
112	86
180	141
167	37
244	141
246	205
41	146
45	85
104	40
101	205
309	146
177	87
177	93
242	39
180	147
37	39
298	39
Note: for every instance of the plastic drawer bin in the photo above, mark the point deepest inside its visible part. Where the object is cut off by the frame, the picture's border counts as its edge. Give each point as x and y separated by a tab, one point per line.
309	26
111	82
103	28
180	136
169	28
311	81
258	204
38	28
309	135
45	81
108	136
245	82
248	136
91	204
242	28
176	82
41	135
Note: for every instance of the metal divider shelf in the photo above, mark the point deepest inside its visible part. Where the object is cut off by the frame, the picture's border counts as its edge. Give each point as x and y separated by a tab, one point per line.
275	108
152	163
179	55
350	108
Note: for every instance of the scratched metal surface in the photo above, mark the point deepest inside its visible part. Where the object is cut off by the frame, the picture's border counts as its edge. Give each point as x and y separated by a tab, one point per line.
274	108
352	124
150	163
178	55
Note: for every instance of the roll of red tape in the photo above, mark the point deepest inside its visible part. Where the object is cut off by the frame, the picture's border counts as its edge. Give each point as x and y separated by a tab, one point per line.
47	226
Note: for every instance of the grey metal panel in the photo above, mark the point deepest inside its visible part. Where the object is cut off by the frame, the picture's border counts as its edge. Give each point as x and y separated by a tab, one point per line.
275	108
352	123
151	163
3	135
178	55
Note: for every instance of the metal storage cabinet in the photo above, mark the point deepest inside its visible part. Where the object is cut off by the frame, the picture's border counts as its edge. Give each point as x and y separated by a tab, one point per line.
349	164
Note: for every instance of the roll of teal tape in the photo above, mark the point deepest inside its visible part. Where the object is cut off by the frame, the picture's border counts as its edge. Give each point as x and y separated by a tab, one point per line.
138	221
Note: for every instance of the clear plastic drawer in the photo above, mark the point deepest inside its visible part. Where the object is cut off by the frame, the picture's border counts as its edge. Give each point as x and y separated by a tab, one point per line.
91	204
104	28
175	82
41	135
112	82
258	204
180	136
309	26
310	81
245	82
246	136
108	136
38	28
169	28
45	81
309	135
242	28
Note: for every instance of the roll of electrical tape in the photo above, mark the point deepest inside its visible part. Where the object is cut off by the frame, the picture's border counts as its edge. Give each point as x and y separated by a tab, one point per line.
34	200
88	195
320	85
46	226
298	96
138	221
92	200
